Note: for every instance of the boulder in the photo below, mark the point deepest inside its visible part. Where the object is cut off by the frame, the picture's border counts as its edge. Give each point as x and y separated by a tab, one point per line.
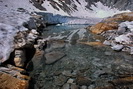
103	26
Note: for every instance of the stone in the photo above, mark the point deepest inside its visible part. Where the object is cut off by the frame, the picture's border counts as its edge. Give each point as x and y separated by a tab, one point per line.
108	53
122	81
67	73
20	58
81	80
60	80
57	44
70	81
121	30
131	50
66	86
91	87
54	56
117	47
83	87
74	86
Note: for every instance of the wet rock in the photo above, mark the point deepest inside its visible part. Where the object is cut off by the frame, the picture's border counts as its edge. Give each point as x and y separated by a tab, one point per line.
53	57
58	44
108	53
83	87
117	47
91	87
60	80
74	86
20	58
67	73
70	81
66	86
81	80
13	79
122	81
106	87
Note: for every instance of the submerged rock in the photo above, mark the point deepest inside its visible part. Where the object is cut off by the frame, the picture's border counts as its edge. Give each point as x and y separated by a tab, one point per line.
53	57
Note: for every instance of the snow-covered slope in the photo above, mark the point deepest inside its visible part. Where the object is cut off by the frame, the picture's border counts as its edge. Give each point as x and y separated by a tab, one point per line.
84	8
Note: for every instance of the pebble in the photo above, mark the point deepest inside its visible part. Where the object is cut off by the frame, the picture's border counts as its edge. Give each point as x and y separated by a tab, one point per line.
83	87
66	86
74	86
70	81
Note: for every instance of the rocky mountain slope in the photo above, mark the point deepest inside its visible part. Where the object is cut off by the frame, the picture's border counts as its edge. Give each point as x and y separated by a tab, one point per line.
84	8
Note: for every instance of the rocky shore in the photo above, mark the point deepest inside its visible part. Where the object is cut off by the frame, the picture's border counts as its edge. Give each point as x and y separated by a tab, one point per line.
13	71
117	31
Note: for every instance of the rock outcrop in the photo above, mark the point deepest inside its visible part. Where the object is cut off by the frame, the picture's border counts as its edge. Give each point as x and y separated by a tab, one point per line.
111	23
117	31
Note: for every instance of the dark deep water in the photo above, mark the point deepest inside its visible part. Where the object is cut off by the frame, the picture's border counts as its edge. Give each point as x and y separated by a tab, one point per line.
97	63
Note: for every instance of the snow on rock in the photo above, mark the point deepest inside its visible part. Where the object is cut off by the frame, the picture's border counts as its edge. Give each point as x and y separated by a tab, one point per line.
123	39
12	15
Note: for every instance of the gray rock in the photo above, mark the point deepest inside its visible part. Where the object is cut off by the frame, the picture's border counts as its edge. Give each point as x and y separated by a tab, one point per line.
83	87
53	57
60	80
117	47
91	87
107	42
107	53
82	80
31	24
131	50
66	86
67	73
121	30
74	86
70	81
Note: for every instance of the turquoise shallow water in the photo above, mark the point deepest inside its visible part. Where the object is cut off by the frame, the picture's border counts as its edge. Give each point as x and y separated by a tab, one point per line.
99	63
